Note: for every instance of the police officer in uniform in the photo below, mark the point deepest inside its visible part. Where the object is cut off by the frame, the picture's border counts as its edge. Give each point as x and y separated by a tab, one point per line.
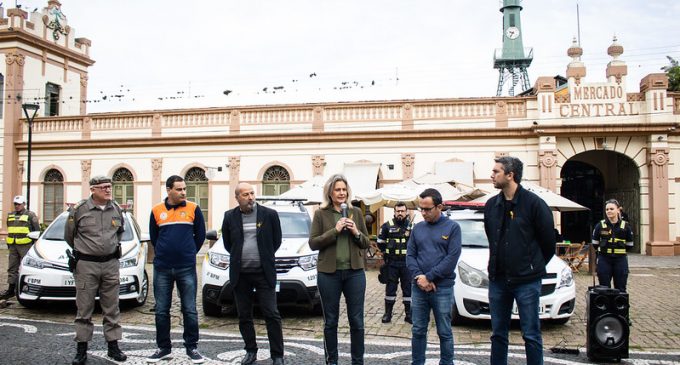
613	237
19	223
392	242
93	230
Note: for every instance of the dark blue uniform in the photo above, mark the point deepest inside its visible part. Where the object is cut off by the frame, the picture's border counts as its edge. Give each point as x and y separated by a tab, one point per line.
392	241
613	240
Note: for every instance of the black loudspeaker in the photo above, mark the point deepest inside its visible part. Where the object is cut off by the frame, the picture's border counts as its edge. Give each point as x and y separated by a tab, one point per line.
608	328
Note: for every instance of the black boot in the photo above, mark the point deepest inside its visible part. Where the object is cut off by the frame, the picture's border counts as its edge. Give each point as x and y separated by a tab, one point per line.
9	292
407	311
387	318
81	354
115	353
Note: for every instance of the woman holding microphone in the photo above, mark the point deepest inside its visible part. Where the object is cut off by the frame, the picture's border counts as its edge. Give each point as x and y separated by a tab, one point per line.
339	234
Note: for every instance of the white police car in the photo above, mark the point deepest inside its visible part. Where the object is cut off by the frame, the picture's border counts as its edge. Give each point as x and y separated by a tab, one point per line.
295	265
44	274
471	291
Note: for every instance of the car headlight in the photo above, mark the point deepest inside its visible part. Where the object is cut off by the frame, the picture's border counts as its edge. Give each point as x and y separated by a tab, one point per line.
566	278
308	262
131	259
472	277
32	261
218	260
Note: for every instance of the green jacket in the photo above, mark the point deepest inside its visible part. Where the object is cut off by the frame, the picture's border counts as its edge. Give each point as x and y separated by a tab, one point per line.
324	235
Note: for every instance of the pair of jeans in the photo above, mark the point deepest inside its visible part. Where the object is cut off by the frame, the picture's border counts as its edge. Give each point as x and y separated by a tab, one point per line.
527	296
439	302
163	283
351	283
266	296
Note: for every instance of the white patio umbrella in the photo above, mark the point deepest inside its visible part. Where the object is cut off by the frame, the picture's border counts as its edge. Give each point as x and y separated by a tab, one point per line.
310	190
389	196
553	200
408	191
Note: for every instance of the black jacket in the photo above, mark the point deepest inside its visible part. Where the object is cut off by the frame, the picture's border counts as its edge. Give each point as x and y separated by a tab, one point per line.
268	241
529	237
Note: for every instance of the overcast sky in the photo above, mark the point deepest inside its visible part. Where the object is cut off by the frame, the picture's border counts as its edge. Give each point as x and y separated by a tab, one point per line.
178	54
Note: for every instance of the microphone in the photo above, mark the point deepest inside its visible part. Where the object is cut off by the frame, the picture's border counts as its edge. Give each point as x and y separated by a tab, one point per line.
343	211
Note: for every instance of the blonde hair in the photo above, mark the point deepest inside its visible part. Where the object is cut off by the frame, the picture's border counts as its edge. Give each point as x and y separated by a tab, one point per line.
328	189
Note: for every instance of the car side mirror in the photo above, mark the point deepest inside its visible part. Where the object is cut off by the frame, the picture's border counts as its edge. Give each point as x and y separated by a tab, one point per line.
211	235
33	235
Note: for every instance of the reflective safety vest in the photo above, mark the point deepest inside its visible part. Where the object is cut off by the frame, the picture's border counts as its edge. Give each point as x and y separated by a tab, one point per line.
17	229
396	239
609	243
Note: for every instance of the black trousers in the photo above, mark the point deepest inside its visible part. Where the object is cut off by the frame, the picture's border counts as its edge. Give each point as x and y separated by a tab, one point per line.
398	272
612	267
266	296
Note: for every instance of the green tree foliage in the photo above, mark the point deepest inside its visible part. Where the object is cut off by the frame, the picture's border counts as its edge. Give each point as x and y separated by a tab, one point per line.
673	72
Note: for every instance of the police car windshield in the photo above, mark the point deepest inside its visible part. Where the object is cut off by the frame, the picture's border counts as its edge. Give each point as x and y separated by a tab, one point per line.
55	232
294	224
473	233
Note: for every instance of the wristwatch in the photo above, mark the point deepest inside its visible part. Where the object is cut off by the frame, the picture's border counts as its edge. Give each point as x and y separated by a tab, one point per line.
358	235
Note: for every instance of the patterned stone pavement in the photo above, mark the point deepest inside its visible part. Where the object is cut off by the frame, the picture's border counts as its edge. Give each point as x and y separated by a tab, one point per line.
654	287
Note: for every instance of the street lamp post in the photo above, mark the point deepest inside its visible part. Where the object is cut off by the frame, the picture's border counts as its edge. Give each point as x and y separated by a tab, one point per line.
30	110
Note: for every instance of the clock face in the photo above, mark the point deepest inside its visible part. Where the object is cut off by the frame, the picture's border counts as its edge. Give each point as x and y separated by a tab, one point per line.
512	32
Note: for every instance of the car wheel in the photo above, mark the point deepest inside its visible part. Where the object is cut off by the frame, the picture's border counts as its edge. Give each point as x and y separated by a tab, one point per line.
456	318
143	291
211	309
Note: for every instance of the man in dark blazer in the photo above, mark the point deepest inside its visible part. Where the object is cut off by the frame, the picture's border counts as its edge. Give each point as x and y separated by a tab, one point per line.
252	234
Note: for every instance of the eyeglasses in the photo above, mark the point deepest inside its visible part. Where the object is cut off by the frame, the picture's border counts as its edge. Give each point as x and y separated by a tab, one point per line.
426	210
18	203
105	187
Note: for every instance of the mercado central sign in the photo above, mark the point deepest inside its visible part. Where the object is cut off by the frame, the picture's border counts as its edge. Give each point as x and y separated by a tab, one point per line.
598	100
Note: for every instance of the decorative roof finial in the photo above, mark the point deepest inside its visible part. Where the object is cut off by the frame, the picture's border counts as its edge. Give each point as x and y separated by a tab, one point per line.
575	51
615	50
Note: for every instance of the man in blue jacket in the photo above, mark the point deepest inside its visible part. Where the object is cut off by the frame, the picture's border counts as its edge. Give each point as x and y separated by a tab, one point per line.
177	232
520	229
432	254
251	234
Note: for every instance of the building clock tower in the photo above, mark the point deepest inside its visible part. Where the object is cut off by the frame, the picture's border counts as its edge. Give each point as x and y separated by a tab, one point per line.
513	59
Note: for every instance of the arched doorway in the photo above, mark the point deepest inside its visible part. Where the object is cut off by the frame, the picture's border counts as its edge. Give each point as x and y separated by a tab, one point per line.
197	189
53	195
275	181
590	178
123	186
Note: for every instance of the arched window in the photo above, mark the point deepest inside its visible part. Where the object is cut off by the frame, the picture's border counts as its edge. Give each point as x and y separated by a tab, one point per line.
123	187
276	181
197	189
53	195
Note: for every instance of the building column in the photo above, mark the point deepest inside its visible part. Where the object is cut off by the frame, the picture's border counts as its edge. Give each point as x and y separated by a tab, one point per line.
547	169
156	183
318	164
86	168
14	82
408	164
659	243
234	175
